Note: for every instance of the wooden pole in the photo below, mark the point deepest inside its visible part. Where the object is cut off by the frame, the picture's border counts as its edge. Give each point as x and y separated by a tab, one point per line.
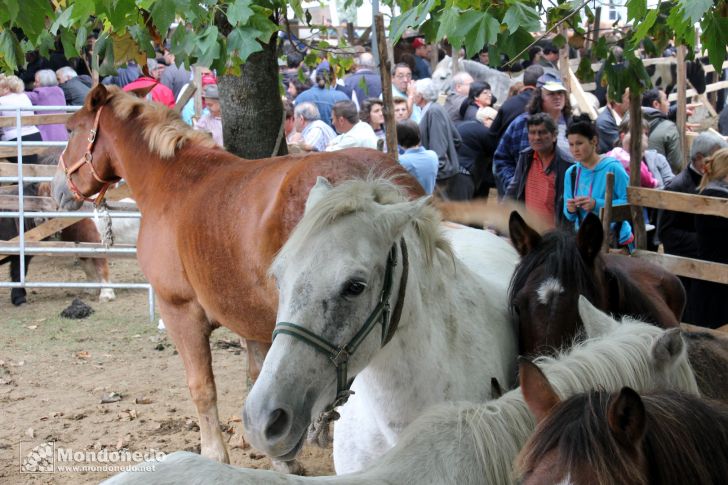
682	100
434	56
597	29
385	69
197	79
455	68
635	159
607	215
564	61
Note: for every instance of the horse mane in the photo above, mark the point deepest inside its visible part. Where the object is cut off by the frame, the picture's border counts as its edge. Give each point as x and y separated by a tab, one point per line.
499	428
163	129
362	196
558	255
685	440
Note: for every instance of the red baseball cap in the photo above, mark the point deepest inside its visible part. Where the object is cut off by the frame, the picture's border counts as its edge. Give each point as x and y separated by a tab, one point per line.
418	42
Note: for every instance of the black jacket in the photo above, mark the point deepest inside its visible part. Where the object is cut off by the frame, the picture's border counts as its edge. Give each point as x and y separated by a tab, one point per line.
711	299
75	91
512	107
517	188
677	229
475	153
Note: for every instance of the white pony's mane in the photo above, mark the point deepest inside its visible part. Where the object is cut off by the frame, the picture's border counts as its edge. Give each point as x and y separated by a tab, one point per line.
498	429
364	197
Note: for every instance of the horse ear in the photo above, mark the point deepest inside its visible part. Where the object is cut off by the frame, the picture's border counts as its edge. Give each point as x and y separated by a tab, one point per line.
668	349
626	417
536	388
596	323
402	213
589	238
524	238
317	192
97	97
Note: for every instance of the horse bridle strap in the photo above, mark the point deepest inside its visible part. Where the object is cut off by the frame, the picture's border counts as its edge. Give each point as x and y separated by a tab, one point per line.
87	159
339	356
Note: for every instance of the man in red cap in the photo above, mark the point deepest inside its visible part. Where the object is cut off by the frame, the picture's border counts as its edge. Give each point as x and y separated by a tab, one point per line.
422	59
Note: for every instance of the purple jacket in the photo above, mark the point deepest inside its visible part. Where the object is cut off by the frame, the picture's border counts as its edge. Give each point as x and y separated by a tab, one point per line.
49	96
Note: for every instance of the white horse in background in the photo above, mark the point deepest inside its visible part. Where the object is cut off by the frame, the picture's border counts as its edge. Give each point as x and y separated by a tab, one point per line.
453	337
473	443
500	82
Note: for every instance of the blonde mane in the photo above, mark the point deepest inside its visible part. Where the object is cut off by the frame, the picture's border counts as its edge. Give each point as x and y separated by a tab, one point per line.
363	196
162	128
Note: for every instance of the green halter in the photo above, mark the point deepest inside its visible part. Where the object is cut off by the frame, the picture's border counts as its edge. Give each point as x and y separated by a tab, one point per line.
339	356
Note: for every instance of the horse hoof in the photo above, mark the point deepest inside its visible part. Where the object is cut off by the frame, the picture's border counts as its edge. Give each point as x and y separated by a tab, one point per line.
107	294
292	467
19	301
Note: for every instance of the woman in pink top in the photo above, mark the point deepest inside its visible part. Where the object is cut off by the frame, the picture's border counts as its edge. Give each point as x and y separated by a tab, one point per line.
622	154
47	93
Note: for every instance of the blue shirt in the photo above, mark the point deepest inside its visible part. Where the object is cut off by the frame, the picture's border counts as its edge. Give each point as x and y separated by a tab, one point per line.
422	165
324	99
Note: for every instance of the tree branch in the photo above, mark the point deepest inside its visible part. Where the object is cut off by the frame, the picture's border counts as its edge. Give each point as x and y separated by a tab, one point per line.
542	36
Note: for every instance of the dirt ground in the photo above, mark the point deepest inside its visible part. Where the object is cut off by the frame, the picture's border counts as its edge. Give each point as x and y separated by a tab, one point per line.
55	372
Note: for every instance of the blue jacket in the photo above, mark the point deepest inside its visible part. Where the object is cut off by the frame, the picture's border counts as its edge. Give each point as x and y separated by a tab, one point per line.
324	99
593	183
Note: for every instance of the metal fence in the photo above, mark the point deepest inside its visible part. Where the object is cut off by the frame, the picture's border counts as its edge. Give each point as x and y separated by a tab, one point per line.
21	214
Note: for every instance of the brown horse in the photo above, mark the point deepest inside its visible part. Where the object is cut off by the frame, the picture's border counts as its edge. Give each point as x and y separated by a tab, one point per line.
560	265
211	223
600	438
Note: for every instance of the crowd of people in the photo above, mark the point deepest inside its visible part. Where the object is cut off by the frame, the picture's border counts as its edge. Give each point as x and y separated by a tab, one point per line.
57	82
530	147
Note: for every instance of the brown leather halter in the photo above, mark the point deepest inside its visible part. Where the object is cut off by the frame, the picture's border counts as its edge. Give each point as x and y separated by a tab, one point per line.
87	159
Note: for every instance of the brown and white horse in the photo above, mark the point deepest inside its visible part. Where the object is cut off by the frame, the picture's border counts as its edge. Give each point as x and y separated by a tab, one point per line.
211	223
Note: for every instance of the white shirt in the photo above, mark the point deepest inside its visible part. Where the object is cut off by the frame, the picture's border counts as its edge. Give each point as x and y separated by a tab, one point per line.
360	135
16	99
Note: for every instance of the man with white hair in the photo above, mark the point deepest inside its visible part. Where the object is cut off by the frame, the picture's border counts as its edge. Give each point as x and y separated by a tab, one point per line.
438	134
312	134
461	82
677	229
74	89
365	82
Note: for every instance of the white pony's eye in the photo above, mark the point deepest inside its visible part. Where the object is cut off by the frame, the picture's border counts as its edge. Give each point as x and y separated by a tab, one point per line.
354	288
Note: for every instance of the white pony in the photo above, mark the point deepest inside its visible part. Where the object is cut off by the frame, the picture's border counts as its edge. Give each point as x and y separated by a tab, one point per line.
449	334
500	82
470	443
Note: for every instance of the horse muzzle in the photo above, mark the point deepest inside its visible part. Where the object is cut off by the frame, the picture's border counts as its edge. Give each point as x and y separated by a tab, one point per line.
62	194
274	429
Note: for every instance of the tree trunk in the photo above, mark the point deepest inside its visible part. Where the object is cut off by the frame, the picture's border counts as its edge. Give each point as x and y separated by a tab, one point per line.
252	111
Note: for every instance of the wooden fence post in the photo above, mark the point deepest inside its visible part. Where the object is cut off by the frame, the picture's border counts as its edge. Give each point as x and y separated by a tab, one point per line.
385	69
682	118
607	215
635	159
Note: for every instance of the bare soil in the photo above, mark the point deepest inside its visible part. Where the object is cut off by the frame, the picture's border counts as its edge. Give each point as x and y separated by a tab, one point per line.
55	372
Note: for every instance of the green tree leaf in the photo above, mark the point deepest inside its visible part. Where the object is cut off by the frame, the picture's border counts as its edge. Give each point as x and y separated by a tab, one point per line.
207	49
636	9
695	9
32	18
68	40
11	53
239	12
242	40
163	13
521	15
715	39
643	28
82	10
449	25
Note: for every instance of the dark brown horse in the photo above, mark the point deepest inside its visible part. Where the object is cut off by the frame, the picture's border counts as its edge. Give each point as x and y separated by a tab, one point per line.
211	223
560	265
600	438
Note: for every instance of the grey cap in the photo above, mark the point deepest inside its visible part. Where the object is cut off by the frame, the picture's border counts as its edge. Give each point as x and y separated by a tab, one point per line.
210	92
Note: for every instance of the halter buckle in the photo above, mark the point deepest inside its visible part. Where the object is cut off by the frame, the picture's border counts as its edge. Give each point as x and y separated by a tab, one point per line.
341	357
89	157
92	136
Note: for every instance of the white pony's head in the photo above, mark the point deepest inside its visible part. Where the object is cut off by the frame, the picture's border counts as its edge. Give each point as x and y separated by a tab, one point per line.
331	275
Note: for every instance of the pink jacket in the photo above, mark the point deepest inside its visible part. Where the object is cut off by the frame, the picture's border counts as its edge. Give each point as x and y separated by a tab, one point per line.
646	178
